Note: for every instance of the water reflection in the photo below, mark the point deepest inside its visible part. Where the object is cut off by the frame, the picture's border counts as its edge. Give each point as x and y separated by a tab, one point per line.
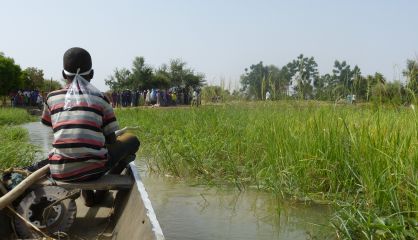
199	212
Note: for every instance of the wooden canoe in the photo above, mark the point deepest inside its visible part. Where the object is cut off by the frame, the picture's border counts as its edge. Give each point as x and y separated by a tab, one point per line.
125	213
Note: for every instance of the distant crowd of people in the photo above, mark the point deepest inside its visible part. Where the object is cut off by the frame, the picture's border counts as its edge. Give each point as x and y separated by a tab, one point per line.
126	98
155	97
26	98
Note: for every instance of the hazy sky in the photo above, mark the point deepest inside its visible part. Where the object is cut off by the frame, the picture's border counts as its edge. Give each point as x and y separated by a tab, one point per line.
215	37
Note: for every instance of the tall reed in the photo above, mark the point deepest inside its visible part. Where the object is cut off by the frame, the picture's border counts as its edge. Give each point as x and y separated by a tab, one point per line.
13	116
363	159
15	150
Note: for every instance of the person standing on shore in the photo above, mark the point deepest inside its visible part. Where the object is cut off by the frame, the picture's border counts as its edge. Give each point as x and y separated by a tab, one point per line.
147	97
268	96
114	99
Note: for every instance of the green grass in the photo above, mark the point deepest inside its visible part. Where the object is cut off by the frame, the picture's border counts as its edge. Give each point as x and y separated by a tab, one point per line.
13	116
362	159
15	150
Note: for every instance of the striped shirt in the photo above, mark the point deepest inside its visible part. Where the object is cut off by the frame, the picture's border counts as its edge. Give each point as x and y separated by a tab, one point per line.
79	150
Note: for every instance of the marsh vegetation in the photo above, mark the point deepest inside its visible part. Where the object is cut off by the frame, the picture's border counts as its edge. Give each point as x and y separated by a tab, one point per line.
360	159
15	150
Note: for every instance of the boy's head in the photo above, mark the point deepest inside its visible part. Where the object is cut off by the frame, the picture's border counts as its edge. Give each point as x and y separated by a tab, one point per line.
77	59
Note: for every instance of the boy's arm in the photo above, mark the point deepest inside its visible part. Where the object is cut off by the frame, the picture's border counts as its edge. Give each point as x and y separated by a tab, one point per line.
110	124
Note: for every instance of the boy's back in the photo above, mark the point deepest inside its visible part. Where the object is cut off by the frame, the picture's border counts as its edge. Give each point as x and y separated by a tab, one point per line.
82	121
79	150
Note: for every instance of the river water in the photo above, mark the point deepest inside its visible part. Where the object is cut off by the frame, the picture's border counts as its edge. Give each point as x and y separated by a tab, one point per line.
188	211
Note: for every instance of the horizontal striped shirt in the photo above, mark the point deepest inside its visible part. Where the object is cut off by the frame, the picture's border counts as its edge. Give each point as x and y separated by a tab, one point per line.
79	149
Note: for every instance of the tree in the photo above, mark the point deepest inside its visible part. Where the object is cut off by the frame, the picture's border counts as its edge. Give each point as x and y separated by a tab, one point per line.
193	80
322	87
142	75
177	72
51	85
10	75
285	80
33	78
251	81
161	78
278	81
394	92
361	88
391	92
121	79
368	86
259	78
343	78
181	76
304	71
411	73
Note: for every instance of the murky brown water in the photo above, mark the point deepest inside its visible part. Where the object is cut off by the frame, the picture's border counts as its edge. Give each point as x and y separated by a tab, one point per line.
198	212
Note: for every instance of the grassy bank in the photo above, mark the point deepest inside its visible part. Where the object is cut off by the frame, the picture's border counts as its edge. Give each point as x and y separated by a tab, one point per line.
14	116
363	160
14	147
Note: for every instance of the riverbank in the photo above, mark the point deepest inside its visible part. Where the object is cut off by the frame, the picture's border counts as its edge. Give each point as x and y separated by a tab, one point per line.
360	159
15	150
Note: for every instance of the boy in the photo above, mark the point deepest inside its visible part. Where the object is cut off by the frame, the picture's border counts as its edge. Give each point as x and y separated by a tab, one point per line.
85	146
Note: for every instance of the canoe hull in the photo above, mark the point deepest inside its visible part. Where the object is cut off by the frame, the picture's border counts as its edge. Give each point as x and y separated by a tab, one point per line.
137	219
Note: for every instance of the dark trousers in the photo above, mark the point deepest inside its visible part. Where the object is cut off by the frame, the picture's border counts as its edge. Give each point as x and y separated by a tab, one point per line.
120	153
126	145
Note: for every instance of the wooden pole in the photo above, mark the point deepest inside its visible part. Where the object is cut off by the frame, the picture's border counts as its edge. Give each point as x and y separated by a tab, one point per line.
9	197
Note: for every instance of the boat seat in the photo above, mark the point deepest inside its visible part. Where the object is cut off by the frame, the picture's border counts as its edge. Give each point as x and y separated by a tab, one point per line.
106	182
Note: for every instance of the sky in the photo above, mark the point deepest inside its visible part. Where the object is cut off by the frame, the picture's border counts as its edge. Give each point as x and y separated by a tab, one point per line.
219	38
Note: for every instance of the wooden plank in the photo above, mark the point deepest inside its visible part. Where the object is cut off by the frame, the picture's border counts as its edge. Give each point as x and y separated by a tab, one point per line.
106	182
